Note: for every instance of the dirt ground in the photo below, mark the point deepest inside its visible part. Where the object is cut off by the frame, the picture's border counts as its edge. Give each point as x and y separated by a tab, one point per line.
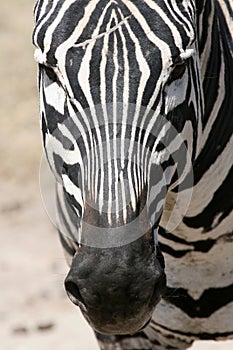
35	314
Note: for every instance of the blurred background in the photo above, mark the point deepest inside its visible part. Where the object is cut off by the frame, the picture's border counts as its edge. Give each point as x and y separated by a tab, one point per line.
35	313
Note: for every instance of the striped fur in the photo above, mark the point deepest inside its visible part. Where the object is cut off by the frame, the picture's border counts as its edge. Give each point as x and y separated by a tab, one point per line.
136	111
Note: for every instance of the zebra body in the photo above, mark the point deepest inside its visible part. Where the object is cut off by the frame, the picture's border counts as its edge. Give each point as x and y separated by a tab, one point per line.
136	112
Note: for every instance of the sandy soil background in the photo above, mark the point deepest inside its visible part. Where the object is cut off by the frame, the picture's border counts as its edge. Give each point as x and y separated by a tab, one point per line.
35	314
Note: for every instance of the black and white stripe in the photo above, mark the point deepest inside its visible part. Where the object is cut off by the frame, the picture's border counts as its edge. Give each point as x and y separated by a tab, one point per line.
136	112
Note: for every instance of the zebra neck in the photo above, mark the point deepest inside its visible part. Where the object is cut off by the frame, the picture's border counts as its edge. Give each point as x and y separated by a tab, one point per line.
214	23
214	158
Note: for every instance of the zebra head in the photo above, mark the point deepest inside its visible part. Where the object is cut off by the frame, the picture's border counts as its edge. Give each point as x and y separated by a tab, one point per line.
119	113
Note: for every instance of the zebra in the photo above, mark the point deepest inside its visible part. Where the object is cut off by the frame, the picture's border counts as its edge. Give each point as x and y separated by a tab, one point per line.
136	118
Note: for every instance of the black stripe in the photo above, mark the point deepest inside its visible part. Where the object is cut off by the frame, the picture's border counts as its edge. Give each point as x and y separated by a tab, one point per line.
72	203
70	250
62	216
199	246
73	172
201	336
221	130
95	16
175	253
210	301
37	11
212	74
222	202
43	127
154	21
205	25
41	34
229	8
66	26
74	59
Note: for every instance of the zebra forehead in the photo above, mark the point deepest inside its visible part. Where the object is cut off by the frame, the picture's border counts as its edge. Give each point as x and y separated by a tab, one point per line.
62	25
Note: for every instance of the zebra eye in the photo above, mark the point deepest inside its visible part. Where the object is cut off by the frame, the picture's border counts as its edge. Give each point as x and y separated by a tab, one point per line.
177	72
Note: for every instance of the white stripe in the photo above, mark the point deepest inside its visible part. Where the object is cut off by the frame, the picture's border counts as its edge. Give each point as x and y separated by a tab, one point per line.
62	227
207	50
44	20
204	190
62	50
163	46
145	74
54	24
53	146
172	27
217	104
55	97
73	190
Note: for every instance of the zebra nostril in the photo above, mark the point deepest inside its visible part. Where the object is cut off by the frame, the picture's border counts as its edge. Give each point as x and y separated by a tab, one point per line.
72	291
74	294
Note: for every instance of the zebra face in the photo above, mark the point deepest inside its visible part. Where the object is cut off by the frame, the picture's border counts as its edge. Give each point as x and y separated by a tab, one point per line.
116	92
